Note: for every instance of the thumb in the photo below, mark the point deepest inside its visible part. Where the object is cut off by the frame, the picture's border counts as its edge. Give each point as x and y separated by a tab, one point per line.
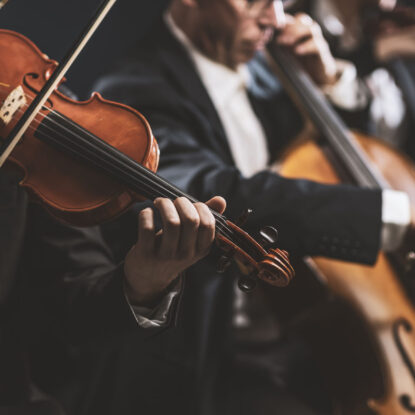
217	204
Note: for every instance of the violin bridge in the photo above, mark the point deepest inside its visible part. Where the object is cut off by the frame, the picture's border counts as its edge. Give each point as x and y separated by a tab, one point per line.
12	104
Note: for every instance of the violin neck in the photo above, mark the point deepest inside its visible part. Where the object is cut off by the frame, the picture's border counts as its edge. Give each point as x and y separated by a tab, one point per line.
327	122
65	135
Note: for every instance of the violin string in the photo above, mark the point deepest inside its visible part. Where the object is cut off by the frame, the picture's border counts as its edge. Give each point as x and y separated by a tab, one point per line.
155	177
221	221
164	186
177	192
221	226
91	136
144	186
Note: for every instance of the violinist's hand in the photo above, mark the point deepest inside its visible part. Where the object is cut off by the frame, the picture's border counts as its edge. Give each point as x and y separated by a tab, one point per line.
157	259
305	38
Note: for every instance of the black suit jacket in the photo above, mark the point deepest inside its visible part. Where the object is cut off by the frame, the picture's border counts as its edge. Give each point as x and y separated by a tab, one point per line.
63	316
160	80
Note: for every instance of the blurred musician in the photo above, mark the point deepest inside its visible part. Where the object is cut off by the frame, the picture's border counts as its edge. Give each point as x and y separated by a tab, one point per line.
379	36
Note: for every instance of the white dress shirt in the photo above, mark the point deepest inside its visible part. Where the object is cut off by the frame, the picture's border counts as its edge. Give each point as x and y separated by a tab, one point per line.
157	316
228	91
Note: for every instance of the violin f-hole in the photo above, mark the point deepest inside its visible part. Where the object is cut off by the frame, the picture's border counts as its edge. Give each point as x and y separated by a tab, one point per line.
27	84
405	400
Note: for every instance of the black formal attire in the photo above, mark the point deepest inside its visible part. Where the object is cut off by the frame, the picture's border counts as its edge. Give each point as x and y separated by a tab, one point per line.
64	317
160	80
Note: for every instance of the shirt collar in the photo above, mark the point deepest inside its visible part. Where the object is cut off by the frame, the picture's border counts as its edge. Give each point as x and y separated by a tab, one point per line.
220	81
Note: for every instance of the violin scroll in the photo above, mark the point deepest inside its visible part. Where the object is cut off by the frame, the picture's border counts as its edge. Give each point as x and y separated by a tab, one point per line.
257	260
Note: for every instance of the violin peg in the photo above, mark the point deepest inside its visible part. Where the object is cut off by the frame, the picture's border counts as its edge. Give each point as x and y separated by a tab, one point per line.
410	263
247	284
223	264
268	236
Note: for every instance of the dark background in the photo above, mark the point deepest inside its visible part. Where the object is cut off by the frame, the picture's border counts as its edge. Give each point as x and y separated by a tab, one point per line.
54	24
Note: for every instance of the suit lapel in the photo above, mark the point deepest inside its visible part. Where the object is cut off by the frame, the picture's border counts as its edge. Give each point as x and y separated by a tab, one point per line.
183	74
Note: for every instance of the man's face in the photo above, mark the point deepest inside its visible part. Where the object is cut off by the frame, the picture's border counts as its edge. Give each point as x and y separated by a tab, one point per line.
384	4
232	31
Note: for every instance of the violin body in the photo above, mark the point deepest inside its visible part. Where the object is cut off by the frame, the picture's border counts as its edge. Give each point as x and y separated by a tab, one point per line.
374	294
78	194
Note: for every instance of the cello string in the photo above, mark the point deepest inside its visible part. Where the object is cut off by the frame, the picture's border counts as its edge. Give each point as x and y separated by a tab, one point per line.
329	122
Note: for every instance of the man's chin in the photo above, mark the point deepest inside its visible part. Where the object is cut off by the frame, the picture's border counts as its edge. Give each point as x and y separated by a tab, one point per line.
245	56
261	45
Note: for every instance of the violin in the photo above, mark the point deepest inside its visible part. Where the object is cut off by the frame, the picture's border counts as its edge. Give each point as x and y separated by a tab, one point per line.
88	162
379	346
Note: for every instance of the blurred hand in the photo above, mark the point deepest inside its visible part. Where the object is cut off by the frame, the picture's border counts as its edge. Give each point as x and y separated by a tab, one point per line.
157	259
305	38
395	43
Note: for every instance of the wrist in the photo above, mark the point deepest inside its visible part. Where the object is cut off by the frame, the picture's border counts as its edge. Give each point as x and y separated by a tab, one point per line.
146	295
332	76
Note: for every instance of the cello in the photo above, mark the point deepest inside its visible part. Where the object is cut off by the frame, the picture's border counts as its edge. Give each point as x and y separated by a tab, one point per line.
374	296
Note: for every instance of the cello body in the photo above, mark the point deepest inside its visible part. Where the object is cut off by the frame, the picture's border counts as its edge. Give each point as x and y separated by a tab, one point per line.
374	295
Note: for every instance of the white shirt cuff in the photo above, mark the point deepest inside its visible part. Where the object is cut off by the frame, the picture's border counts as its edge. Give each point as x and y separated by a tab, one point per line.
349	92
396	216
157	316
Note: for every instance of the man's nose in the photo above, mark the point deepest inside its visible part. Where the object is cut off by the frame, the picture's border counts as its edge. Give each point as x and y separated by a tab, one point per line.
274	15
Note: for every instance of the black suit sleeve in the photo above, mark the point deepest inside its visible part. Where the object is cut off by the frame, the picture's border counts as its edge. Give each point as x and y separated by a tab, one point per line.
72	272
313	219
